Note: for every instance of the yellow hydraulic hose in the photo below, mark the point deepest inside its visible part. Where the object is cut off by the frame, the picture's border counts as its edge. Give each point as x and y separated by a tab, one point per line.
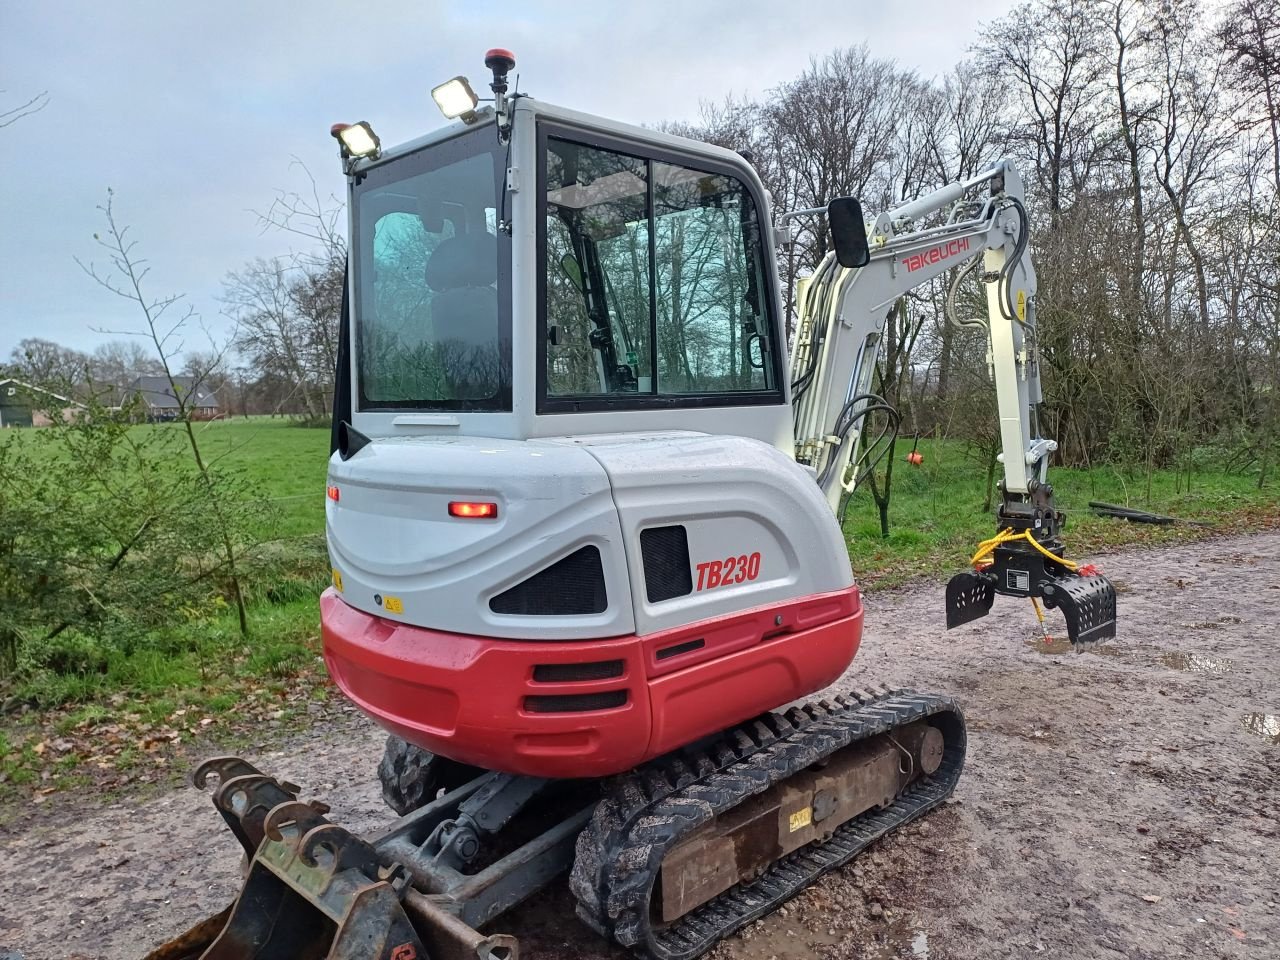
988	547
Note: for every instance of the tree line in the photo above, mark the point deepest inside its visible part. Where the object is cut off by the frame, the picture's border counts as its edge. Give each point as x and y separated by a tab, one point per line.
282	350
1149	138
1148	134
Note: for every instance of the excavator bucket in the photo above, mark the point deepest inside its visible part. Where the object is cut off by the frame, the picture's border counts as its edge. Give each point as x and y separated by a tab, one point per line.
313	890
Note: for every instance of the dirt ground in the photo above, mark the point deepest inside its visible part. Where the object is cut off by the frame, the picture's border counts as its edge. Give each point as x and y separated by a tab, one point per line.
1123	802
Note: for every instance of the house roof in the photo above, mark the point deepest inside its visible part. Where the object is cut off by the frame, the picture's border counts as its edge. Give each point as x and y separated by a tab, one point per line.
14	382
157	392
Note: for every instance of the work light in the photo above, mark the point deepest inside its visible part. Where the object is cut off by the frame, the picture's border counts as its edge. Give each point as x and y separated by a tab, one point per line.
455	98
357	139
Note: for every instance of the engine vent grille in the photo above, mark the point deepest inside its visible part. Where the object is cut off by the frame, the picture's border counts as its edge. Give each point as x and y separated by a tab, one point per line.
577	702
666	563
570	672
666	653
572	586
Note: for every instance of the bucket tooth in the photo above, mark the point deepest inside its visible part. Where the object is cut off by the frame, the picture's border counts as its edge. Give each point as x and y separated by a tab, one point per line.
969	597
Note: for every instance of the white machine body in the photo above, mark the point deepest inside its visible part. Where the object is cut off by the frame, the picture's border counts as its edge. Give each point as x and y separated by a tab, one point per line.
741	503
598	464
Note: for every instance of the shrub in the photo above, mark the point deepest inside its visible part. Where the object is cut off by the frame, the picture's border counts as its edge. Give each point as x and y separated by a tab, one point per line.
105	531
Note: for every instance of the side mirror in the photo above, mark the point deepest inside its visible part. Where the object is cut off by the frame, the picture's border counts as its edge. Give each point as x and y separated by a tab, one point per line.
570	267
848	232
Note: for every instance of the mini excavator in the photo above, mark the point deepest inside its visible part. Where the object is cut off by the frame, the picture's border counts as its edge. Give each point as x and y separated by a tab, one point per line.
582	517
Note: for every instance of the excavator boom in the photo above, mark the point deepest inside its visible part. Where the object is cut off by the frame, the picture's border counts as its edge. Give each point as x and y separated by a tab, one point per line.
843	310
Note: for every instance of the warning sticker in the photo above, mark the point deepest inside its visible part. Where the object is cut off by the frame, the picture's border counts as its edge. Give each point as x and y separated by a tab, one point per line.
337	579
392	604
801	818
1022	305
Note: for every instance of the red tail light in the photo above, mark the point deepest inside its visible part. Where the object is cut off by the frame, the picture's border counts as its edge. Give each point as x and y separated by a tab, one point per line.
473	511
334	494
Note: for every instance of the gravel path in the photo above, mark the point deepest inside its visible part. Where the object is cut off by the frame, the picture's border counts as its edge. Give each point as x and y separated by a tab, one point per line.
1119	803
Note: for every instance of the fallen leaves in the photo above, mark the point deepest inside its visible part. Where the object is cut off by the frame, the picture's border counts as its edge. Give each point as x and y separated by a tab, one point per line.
124	740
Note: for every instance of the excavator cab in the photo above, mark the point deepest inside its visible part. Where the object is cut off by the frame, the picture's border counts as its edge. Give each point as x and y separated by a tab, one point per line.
536	273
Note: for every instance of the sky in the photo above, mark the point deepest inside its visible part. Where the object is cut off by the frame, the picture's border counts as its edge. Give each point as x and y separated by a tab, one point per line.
194	114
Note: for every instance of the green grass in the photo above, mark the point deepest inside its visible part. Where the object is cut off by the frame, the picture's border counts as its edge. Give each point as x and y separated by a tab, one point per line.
287	461
176	679
936	518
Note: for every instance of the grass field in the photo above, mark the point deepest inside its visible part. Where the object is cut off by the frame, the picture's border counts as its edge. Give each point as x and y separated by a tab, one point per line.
936	513
287	461
136	711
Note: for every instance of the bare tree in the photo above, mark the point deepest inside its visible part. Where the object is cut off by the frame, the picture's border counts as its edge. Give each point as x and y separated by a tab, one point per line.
1249	35
1191	137
288	308
47	364
1047	48
117	363
271	332
34	105
164	331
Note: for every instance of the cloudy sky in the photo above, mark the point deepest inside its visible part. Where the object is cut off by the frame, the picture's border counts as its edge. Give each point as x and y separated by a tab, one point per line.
193	112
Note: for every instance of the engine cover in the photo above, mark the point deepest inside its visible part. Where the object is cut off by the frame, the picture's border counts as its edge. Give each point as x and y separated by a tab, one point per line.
585	528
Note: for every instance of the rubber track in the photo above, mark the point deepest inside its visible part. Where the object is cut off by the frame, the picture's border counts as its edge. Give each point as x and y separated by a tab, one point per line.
645	812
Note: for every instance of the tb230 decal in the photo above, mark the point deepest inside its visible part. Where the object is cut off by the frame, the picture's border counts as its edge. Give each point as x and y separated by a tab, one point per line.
730	570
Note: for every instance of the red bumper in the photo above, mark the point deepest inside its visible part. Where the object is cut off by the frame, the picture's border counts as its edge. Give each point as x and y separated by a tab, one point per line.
585	708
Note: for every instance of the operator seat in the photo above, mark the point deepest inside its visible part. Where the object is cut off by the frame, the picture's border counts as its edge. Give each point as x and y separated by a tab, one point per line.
462	273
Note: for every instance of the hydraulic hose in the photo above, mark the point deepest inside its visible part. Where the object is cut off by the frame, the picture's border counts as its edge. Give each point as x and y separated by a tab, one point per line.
818	314
953	288
845	422
1007	307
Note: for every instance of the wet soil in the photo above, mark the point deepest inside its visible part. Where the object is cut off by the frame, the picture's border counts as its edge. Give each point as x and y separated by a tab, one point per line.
1123	802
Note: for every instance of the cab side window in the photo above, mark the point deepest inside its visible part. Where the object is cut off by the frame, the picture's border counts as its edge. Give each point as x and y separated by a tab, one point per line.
653	287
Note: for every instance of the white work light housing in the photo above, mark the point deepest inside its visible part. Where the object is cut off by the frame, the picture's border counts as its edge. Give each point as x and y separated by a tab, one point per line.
456	99
357	139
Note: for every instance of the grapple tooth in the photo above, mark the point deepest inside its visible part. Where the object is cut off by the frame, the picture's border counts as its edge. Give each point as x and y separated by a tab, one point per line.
969	597
1088	604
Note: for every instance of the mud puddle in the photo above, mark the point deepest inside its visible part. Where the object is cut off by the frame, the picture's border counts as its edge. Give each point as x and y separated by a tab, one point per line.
901	940
1265	725
782	939
1196	663
1056	646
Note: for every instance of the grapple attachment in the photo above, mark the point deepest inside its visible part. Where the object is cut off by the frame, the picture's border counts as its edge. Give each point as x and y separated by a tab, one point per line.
1088	603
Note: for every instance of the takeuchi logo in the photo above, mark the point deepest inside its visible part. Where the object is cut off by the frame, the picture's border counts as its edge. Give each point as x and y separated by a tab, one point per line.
942	251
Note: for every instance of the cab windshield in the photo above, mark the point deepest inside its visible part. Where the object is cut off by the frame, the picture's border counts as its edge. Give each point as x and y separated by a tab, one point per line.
433	320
